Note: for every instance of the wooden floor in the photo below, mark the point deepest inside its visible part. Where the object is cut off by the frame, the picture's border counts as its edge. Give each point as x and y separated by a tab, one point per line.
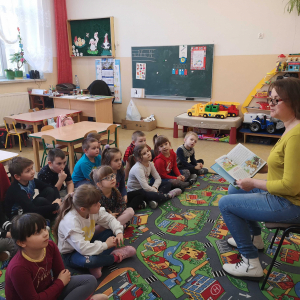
207	150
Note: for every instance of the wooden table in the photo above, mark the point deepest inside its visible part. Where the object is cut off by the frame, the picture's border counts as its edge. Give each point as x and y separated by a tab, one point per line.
247	132
99	107
210	123
7	155
69	135
34	103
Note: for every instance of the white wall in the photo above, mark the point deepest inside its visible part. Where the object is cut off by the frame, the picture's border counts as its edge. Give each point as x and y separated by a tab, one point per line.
233	26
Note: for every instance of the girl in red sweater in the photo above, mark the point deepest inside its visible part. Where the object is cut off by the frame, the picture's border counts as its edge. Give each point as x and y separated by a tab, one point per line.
28	275
166	165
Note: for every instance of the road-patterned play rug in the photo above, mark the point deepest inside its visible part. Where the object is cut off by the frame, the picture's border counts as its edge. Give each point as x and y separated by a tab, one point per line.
181	247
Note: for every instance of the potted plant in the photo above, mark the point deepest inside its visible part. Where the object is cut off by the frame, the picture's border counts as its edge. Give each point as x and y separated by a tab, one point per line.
18	58
10	74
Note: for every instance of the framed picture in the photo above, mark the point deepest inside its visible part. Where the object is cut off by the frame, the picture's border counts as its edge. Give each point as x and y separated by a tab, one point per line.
91	37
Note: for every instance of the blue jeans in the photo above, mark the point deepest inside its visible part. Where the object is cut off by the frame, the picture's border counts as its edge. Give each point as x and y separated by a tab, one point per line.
81	182
241	210
75	259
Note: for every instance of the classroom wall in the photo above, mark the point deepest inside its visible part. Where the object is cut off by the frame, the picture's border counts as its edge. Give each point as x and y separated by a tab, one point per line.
241	59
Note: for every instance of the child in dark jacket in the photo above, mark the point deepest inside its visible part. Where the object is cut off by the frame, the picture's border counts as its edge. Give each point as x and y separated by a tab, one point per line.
19	197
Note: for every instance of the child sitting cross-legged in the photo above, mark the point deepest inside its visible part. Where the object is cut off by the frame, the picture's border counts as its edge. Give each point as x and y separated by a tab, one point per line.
56	172
75	230
186	152
111	199
140	193
166	166
19	197
91	159
37	270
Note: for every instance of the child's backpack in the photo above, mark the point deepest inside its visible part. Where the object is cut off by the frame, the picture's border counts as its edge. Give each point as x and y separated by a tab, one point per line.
63	120
3	134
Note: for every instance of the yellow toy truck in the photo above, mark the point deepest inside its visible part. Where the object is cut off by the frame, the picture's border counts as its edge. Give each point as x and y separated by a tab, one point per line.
207	110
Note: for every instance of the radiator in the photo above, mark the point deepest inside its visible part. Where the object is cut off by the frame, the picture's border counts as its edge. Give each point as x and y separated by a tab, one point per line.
12	104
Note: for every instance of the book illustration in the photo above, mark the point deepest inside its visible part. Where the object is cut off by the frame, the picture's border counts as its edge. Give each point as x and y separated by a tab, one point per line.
226	163
252	165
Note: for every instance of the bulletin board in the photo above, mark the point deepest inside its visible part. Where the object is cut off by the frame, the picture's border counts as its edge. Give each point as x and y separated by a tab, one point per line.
91	37
170	71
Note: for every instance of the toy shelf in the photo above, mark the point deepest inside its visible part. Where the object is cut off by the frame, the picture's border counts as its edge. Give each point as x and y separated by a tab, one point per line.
259	97
247	132
257	109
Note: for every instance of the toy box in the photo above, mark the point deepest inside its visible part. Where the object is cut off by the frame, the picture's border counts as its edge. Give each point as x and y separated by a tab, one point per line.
139	125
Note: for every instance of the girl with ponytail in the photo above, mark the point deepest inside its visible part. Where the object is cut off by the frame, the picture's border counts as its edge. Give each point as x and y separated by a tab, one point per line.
75	232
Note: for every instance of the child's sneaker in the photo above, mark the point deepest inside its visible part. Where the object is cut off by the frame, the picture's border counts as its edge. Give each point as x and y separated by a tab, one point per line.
142	205
192	179
96	272
175	192
153	204
124	252
203	171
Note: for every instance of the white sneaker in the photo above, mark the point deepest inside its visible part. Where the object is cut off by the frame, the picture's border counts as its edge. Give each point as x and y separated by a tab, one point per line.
257	242
245	269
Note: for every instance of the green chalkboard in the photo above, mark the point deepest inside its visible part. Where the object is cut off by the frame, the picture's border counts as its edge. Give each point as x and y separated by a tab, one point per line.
161	61
91	37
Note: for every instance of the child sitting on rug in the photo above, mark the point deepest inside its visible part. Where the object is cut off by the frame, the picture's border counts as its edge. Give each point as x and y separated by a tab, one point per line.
139	191
186	152
91	159
19	196
56	172
75	228
111	199
166	166
113	157
37	270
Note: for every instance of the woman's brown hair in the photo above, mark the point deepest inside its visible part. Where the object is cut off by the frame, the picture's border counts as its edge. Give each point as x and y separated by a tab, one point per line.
85	196
289	91
159	141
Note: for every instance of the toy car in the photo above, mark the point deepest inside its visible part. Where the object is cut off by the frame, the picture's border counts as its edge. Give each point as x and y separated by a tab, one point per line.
262	123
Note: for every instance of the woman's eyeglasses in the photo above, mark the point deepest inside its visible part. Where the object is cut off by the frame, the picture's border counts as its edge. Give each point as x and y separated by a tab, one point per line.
273	101
109	177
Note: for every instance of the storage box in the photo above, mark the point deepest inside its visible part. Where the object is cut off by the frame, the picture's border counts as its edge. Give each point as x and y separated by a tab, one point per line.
139	125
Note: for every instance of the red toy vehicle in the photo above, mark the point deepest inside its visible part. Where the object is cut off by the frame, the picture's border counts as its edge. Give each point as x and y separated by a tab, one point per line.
264	105
231	107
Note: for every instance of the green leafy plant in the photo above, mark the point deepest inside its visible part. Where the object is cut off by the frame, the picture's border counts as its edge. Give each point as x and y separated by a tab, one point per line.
18	57
293	4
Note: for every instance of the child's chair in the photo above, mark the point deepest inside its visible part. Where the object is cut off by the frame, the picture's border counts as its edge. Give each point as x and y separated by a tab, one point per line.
79	149
112	129
48	139
14	131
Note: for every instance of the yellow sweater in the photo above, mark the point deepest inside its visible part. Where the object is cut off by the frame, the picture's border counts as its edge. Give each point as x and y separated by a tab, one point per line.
284	167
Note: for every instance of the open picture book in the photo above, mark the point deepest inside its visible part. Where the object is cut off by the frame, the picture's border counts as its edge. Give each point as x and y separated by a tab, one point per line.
239	163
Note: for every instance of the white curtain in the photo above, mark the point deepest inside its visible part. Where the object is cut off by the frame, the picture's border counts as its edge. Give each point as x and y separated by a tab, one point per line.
33	17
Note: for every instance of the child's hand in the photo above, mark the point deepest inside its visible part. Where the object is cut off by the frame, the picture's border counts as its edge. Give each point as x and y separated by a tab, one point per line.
111	242
119	239
8	235
62	176
181	177
115	214
64	276
125	199
58	201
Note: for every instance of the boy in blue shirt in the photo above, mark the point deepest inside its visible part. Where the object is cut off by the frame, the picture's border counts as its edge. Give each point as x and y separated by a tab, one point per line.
91	159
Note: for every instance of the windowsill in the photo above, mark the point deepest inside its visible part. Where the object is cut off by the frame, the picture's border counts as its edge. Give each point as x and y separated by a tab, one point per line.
7	81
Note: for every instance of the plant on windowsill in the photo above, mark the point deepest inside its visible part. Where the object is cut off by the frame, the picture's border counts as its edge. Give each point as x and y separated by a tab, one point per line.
9	73
293	4
18	58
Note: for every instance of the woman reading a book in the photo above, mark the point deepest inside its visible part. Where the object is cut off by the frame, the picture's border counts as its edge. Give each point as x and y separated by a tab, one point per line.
277	198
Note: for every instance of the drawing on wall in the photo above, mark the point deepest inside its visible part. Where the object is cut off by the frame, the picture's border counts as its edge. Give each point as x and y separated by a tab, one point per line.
198	58
141	71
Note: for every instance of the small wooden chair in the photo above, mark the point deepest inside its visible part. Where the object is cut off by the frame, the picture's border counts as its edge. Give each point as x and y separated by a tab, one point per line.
112	129
14	131
48	139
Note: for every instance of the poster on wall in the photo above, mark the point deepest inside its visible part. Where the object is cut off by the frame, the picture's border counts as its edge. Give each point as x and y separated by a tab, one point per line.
141	71
108	70
117	82
198	58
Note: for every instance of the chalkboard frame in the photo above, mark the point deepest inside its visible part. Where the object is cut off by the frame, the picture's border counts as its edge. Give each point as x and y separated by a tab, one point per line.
110	33
201	92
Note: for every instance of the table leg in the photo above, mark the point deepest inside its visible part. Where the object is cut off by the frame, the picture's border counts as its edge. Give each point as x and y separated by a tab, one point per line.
71	157
31	100
245	138
36	149
78	117
117	139
175	130
232	138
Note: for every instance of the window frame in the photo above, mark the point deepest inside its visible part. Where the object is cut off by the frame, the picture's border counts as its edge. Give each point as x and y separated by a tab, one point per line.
3	58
